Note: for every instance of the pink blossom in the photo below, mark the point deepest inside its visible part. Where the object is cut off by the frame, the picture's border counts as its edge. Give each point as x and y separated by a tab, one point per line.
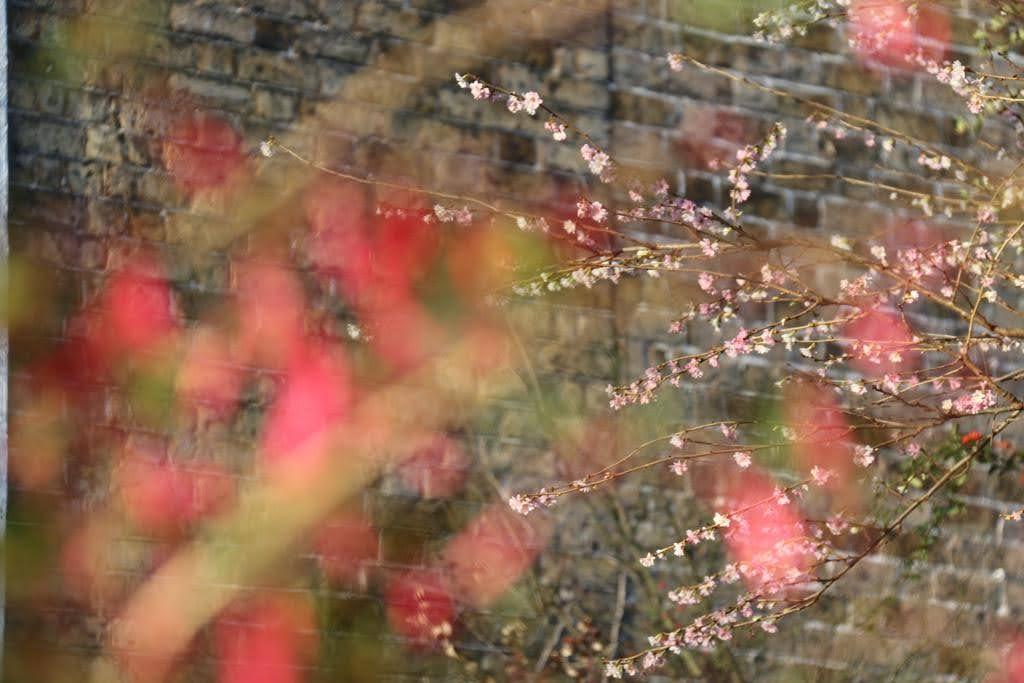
742	459
596	159
531	101
738	345
556	129
479	90
706	282
863	455
974	402
837	524
821	476
709	248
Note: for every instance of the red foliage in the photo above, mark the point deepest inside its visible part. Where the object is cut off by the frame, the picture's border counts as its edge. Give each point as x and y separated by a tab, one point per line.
419	604
202	152
1012	669
270	308
316	396
208	374
492	552
337	217
438	469
163	498
379	263
970	437
137	308
343	544
81	560
265	641
133	316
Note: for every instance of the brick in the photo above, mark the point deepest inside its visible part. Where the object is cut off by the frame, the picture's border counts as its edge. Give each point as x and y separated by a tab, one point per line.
643	108
103	144
346	47
591	64
220	94
271	68
47	137
215	58
700	85
197	19
853	78
920	125
273	105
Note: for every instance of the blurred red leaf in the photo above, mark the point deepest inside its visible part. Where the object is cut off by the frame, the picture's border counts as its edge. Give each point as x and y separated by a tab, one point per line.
161	497
137	308
202	152
81	560
270	309
267	640
343	545
437	469
821	432
887	32
768	537
1012	666
315	396
880	340
338	231
38	438
208	374
419	606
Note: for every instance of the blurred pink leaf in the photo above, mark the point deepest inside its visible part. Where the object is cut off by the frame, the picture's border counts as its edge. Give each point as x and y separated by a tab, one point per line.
492	553
766	540
880	340
315	396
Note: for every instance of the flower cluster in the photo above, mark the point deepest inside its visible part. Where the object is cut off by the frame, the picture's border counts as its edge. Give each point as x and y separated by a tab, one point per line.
747	160
971	403
859	339
955	75
529	102
443	214
598	161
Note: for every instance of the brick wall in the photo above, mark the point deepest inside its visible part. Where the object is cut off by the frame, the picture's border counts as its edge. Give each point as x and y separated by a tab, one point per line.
365	87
